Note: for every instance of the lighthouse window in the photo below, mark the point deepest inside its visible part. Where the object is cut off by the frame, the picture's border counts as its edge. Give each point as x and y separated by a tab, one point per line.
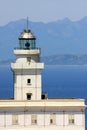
71	119
29	96
15	119
53	118
28	81
34	119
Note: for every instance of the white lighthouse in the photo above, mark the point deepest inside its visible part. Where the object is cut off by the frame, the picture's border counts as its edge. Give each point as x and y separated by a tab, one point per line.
30	109
27	68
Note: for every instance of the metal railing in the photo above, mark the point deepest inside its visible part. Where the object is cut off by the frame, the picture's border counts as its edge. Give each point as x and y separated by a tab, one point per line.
18	48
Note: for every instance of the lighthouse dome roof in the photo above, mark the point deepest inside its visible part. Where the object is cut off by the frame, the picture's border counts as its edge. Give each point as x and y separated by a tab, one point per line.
27	34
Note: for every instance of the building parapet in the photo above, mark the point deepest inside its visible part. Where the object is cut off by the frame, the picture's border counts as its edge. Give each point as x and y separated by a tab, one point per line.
41	103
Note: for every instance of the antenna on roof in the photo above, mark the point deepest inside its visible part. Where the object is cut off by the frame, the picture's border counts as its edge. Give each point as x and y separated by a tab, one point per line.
27	23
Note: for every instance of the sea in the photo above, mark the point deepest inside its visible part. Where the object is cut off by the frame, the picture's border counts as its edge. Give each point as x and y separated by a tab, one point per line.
58	81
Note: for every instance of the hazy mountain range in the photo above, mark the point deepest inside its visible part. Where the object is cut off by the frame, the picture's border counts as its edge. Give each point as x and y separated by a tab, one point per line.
57	60
63	37
65	60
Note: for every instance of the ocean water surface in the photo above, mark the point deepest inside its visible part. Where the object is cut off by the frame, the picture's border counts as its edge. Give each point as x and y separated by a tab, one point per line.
65	81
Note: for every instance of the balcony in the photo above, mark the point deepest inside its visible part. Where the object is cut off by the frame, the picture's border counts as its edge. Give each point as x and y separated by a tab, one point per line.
25	51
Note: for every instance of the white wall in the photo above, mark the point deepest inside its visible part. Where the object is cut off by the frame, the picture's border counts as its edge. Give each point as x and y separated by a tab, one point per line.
43	119
27	66
22	88
2	119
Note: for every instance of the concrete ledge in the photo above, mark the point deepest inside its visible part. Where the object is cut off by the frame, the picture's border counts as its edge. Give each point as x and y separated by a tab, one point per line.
43	103
27	52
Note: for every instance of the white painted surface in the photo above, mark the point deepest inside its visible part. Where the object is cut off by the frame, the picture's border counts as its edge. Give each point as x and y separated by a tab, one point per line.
24	70
27	52
43	120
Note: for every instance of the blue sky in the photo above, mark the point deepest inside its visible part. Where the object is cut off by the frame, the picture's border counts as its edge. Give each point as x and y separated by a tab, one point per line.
42	10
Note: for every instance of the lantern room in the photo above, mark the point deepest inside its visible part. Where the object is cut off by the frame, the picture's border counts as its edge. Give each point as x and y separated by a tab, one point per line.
27	40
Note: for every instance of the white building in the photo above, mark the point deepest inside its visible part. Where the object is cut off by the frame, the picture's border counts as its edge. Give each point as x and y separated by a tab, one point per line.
30	109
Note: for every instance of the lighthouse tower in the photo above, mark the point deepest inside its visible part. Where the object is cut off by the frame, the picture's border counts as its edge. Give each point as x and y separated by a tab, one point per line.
27	68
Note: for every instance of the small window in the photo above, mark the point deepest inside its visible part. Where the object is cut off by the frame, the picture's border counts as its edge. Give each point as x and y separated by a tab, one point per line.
51	121
28	81
29	96
15	119
34	119
53	118
71	119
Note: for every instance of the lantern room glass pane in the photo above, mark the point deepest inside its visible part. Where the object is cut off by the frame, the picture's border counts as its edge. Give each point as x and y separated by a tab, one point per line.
27	44
21	44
